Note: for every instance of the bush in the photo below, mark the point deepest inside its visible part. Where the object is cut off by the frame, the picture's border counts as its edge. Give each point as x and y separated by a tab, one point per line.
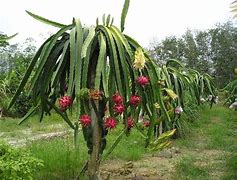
17	163
22	105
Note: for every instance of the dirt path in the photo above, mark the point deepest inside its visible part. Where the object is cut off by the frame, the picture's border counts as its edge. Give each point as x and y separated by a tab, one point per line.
23	141
21	137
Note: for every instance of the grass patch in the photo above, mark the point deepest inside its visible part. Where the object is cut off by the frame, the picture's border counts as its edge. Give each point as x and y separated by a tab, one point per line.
61	159
131	147
10	124
231	168
214	131
186	169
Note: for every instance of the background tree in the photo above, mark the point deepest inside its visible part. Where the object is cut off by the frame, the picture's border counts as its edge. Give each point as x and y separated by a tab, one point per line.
224	52
190	50
169	48
14	59
211	51
204	59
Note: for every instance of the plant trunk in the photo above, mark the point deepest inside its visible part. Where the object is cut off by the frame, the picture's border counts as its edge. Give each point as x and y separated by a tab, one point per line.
94	161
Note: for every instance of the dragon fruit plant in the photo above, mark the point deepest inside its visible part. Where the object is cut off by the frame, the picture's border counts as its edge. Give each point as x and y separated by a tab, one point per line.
181	89
99	73
230	91
105	77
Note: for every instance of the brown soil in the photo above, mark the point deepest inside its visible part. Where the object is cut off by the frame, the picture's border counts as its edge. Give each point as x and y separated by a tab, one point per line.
161	167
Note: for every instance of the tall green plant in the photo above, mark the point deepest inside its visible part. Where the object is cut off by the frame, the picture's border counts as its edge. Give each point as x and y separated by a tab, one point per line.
230	91
181	85
89	67
105	77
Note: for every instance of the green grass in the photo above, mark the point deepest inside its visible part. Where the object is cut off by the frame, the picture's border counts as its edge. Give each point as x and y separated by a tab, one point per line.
131	147
231	168
62	161
214	131
186	169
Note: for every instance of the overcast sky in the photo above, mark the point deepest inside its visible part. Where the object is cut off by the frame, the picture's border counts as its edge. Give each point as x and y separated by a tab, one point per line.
146	19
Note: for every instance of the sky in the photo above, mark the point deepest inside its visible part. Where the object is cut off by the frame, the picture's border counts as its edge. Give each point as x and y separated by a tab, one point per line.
146	19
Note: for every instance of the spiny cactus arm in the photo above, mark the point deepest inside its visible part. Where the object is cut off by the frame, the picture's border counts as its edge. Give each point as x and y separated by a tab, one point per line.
174	61
124	14
46	52
7	38
46	21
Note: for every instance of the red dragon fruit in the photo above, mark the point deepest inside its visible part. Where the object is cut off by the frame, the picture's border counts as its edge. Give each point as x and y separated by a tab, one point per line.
142	80
135	100
119	108
110	123
117	98
65	102
85	120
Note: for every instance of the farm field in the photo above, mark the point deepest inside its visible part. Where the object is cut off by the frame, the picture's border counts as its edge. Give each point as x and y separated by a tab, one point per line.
207	151
92	101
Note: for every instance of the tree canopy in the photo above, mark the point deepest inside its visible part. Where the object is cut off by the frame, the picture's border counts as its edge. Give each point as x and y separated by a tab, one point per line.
213	51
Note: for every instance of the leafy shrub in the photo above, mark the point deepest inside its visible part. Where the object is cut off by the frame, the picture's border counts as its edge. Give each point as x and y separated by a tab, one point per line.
22	105
7	89
17	163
